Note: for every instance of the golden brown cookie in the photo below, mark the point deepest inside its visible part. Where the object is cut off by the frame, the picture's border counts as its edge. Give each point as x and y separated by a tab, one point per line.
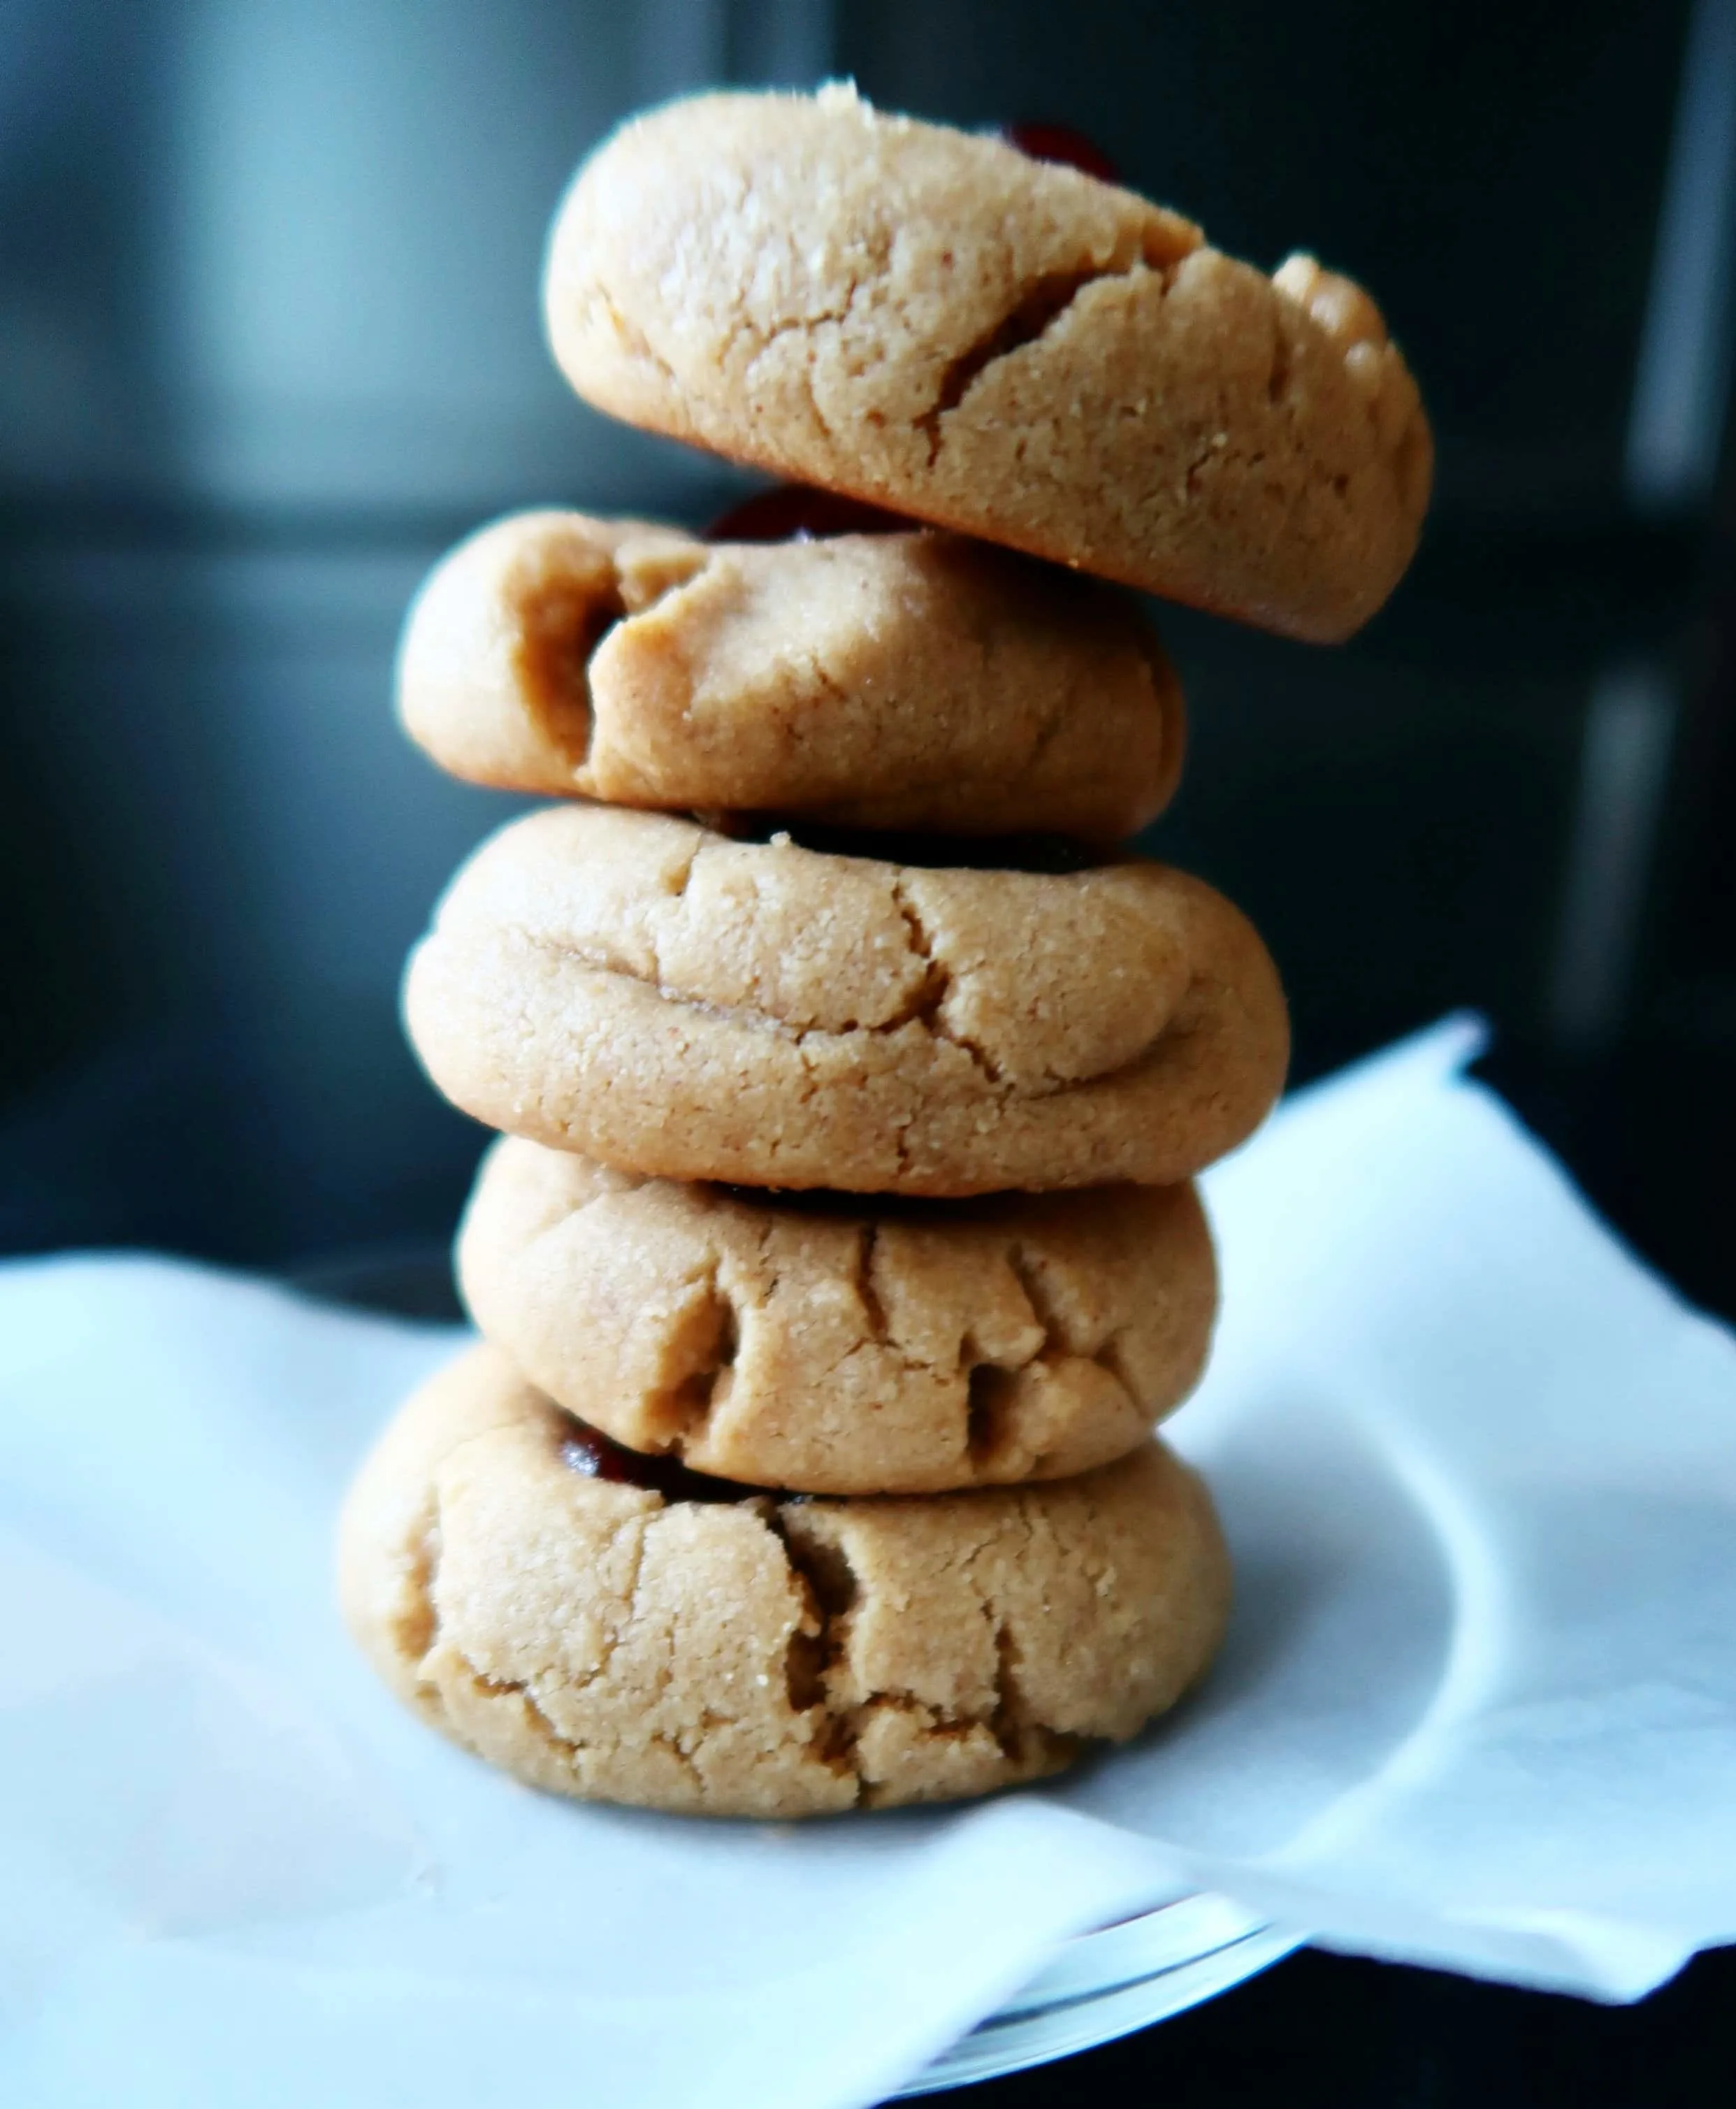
670	1001
842	1348
934	322
750	1656
903	680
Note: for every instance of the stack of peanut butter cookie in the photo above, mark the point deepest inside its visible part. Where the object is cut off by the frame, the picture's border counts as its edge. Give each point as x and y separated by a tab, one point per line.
840	1253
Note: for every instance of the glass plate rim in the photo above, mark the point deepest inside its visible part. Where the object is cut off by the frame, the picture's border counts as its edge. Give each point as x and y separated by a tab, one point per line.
1110	1982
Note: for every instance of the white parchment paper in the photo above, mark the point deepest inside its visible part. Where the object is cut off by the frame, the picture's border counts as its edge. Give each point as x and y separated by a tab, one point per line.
1478	1705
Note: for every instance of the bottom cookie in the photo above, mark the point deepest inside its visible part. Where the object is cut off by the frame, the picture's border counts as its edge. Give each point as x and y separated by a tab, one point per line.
696	1646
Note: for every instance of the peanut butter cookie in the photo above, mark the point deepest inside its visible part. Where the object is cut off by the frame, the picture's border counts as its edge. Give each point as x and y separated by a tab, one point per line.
932	321
842	1348
696	1645
901	680
673	1002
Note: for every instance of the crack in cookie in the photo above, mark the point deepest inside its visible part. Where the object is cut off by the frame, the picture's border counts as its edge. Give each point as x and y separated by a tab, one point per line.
1039	307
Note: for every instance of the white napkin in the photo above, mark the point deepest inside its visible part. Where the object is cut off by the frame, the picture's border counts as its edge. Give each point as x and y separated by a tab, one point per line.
1478	1706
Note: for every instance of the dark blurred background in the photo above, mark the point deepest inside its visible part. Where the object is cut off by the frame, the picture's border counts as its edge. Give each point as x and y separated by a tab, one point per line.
270	342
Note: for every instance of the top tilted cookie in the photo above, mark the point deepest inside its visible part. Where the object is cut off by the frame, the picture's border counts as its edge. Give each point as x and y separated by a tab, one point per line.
933	321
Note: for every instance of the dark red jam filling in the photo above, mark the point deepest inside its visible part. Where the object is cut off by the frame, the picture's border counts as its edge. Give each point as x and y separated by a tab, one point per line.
588	1450
1062	143
796	512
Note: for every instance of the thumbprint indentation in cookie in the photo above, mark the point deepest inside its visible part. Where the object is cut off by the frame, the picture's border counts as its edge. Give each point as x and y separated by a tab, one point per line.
561	624
713	1337
830	1591
805	1669
990	1394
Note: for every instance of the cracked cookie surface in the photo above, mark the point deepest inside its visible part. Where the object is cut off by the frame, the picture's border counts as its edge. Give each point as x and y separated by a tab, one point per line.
841	1348
670	1001
935	322
901	680
763	1657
